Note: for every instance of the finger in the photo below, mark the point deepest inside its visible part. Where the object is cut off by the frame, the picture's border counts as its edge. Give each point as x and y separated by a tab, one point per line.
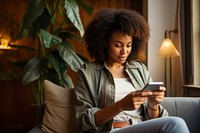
157	96
146	93
158	93
136	105
157	99
162	88
141	93
139	99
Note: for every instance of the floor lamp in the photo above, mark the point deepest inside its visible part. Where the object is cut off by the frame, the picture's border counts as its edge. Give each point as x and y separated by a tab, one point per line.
168	50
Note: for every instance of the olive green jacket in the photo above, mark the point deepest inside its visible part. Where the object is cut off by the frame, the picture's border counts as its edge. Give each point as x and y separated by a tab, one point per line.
95	89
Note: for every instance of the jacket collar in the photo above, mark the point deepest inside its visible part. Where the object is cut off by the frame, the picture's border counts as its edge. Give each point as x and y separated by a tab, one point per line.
132	64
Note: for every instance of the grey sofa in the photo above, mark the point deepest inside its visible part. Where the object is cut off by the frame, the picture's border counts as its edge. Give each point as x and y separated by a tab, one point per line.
187	108
59	115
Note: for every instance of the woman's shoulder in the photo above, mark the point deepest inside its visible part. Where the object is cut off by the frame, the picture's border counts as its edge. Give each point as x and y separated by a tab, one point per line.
91	66
91	70
136	64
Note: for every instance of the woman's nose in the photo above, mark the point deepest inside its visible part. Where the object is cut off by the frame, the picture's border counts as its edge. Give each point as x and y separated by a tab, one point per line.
123	50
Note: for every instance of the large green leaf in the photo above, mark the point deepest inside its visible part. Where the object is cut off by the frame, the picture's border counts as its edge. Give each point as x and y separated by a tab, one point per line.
34	10
55	63
61	78
33	70
67	81
69	56
67	35
49	40
72	12
58	64
87	7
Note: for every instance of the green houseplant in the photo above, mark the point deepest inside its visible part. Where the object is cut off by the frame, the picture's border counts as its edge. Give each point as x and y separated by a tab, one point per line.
54	23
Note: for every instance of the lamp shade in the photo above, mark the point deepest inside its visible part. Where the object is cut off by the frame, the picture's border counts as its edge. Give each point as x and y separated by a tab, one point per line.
4	44
168	49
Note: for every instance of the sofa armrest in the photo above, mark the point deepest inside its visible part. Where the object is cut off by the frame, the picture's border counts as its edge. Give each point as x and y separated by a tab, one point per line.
187	108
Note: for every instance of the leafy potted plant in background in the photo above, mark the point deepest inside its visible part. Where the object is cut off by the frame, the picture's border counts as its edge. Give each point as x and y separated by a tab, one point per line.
54	23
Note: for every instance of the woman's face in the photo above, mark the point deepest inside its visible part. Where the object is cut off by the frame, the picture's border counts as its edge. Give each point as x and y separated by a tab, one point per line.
119	47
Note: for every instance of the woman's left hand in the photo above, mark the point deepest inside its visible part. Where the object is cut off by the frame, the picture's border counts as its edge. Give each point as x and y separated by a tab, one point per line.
157	96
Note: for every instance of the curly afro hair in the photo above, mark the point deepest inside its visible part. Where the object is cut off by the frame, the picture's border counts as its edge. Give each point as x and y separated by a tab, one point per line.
105	21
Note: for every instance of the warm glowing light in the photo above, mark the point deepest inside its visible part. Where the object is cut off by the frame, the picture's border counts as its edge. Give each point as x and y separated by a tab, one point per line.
168	49
4	47
4	43
167	44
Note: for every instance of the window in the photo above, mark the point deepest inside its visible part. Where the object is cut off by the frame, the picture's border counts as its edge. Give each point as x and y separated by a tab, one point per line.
196	40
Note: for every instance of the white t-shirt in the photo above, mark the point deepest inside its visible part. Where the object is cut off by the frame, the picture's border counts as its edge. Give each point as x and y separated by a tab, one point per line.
123	87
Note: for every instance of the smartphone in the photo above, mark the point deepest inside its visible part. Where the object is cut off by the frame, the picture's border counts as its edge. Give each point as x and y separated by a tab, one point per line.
152	86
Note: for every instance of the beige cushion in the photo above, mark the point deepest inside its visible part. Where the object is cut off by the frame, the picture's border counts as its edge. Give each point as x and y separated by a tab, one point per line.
59	116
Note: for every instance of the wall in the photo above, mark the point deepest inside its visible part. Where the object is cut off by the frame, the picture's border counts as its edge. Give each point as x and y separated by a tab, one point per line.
161	16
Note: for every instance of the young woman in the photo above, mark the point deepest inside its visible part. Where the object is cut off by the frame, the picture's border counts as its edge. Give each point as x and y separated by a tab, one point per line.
108	90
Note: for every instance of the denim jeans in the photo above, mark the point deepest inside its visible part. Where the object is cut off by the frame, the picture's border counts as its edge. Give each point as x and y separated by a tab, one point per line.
159	125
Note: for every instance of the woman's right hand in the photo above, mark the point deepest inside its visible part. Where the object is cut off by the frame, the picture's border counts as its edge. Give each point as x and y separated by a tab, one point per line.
133	100
130	102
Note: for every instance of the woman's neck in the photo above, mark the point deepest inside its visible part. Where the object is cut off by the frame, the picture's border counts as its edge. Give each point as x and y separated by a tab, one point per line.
117	70
114	65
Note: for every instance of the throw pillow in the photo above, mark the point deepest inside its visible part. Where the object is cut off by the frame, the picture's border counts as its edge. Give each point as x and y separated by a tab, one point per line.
59	115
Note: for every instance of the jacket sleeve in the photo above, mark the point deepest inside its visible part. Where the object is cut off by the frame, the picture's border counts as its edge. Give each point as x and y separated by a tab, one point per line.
86	103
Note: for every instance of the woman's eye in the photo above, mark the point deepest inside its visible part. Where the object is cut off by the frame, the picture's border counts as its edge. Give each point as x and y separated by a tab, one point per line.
117	45
121	45
128	46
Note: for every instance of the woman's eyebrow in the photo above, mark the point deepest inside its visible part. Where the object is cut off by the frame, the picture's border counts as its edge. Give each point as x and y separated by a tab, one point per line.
122	42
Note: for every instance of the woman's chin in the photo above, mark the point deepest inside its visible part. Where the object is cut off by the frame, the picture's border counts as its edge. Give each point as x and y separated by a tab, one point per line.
122	61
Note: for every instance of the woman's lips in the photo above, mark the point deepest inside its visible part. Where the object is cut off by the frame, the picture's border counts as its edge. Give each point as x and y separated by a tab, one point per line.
122	58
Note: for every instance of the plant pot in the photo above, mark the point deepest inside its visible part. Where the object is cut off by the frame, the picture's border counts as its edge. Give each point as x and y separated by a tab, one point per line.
37	113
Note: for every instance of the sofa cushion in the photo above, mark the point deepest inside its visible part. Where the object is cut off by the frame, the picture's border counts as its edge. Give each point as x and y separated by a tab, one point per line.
187	108
59	115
